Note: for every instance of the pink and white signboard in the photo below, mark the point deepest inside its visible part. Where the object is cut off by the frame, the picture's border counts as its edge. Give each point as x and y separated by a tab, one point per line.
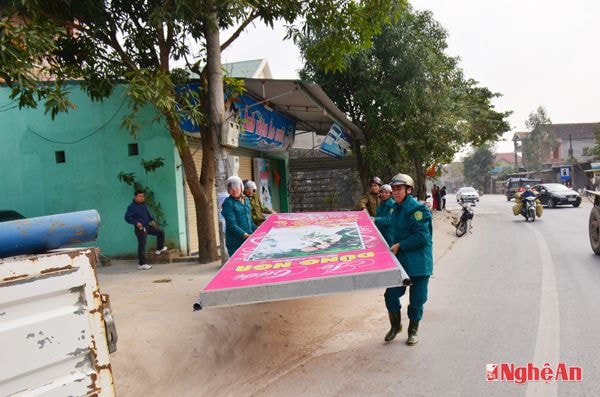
303	254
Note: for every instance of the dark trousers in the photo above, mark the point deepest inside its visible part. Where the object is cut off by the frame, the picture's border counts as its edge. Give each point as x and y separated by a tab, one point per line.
142	236
417	297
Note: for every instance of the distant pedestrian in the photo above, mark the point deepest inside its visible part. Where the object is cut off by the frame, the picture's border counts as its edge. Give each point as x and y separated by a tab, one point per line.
144	224
443	197
238	215
370	200
434	197
258	208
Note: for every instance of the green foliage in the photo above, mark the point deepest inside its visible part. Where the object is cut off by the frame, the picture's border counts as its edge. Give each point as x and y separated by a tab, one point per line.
152	165
102	43
539	143
477	167
152	202
595	150
410	98
333	200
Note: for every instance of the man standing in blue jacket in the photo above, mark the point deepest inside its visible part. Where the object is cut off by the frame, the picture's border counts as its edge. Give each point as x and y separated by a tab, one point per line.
138	215
412	245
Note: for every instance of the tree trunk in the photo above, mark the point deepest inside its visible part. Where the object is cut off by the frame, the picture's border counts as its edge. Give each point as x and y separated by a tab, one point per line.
419	178
362	167
214	155
207	251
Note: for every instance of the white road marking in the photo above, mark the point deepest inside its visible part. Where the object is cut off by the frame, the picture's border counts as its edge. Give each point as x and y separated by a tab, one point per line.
547	343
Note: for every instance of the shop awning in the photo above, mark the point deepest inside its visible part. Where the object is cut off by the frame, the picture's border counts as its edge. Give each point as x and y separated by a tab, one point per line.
304	101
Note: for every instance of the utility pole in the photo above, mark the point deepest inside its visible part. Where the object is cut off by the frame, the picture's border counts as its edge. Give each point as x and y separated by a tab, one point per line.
515	139
570	150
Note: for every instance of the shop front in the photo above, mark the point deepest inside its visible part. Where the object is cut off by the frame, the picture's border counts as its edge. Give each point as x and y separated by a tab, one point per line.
268	116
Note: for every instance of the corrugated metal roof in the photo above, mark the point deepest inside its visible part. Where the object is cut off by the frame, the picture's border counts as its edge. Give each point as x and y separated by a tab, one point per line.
247	69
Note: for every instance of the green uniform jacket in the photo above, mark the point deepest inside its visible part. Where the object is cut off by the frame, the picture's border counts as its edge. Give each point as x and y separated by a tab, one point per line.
412	229
370	201
258	210
383	219
238	221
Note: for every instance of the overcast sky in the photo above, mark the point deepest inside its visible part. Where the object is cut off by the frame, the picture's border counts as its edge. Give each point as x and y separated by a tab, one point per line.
534	52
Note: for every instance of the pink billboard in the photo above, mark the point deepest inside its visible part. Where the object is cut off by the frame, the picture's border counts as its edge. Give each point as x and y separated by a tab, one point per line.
299	247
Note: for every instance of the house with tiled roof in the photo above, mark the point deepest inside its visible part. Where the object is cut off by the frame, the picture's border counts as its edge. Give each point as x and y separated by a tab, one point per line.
576	137
572	149
506	160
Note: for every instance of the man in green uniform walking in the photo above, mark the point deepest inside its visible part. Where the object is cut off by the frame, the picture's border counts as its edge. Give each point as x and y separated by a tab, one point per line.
412	245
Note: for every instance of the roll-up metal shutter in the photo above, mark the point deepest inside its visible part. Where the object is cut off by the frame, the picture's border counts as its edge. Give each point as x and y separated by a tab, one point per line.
192	229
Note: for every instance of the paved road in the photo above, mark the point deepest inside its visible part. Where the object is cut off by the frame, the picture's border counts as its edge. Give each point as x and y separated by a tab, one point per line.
510	292
513	292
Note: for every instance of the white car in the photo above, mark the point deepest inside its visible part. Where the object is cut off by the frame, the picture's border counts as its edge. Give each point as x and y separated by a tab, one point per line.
467	194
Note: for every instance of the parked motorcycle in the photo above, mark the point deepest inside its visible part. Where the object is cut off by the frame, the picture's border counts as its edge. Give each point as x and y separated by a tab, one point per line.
466	217
528	210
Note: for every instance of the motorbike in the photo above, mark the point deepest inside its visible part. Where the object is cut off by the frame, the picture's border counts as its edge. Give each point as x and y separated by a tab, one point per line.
464	223
528	210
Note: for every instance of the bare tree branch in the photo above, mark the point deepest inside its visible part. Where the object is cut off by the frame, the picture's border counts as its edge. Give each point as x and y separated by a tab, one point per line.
239	30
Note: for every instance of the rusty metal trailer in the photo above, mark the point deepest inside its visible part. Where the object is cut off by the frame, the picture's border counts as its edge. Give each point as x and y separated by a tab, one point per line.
56	329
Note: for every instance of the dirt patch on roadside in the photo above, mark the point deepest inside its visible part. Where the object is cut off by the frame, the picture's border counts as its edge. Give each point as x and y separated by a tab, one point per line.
165	349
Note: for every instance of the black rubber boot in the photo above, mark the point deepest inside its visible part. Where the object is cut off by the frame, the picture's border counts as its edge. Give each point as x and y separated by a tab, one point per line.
396	326
413	328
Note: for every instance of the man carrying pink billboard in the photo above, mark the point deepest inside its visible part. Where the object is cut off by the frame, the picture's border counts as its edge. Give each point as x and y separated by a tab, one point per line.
412	245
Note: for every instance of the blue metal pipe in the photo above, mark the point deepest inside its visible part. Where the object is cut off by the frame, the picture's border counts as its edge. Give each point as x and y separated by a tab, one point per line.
37	235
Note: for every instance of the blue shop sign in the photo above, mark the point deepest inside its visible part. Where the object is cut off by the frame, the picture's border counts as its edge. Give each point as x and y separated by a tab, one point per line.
264	129
337	143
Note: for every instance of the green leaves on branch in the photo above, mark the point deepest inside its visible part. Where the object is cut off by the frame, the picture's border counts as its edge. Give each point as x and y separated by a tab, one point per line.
334	30
409	97
477	167
539	143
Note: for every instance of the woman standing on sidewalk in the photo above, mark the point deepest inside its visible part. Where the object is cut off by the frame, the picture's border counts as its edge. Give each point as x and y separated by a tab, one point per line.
238	215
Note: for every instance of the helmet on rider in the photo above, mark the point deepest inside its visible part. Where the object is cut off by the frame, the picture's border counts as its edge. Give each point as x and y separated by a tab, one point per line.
234	181
386	188
527	187
402	179
375	180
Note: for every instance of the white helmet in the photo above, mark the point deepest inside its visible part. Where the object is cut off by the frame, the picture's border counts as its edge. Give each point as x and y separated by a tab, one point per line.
402	179
250	185
527	187
234	181
386	188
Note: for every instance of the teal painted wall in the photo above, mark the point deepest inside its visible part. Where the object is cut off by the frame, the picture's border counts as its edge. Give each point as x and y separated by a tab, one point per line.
96	150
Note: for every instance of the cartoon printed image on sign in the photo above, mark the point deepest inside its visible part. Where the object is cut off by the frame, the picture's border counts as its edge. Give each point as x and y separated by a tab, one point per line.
298	241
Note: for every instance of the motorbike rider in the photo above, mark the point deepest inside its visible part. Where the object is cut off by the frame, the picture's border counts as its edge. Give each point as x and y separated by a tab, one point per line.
527	193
